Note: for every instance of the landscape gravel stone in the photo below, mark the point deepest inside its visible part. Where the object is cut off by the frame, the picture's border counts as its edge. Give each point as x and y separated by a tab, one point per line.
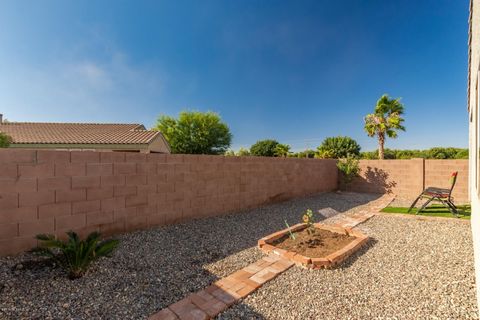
411	269
407	269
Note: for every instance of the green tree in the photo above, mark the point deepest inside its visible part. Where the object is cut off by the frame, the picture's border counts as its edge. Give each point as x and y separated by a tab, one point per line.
338	147
229	153
195	133
385	121
282	150
264	148
462	154
242	152
5	140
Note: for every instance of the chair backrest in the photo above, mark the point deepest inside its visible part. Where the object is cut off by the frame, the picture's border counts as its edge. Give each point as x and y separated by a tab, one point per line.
453	180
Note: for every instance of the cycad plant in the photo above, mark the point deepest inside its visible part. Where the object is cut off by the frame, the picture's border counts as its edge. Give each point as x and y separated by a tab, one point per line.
75	255
385	121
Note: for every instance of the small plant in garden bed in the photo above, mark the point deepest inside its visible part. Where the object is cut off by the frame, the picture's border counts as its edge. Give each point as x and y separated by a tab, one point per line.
75	255
308	220
315	243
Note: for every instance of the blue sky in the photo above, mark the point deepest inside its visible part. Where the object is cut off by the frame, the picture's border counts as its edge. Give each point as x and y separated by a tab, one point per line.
296	71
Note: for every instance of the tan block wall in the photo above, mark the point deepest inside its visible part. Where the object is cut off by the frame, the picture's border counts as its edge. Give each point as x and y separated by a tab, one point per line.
114	192
407	178
437	173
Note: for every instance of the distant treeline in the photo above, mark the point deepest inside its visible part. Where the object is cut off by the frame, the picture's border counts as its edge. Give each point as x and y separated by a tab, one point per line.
432	153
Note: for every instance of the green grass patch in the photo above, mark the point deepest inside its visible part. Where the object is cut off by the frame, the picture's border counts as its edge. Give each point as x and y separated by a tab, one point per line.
435	210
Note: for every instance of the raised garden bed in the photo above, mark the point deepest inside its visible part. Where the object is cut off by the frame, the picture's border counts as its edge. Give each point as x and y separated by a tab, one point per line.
323	246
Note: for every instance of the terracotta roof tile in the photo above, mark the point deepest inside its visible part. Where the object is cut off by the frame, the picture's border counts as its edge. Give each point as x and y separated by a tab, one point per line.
77	133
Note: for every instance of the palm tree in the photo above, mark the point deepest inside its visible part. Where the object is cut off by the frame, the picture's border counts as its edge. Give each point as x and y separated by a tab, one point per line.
385	121
282	150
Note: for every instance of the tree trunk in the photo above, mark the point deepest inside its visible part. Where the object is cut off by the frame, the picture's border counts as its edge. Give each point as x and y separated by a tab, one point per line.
381	143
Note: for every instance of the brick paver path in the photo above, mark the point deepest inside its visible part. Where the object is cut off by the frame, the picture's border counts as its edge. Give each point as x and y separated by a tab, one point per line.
352	218
209	302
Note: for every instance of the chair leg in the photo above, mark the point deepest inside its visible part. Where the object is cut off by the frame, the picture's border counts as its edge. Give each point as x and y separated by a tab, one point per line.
453	208
424	205
414	203
453	204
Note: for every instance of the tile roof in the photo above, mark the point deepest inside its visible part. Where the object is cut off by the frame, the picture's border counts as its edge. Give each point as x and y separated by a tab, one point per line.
77	133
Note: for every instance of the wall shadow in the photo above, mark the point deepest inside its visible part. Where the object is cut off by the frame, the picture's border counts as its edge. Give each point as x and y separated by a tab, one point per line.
374	180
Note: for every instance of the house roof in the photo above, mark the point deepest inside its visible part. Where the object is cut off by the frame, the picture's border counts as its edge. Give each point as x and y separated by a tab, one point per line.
77	133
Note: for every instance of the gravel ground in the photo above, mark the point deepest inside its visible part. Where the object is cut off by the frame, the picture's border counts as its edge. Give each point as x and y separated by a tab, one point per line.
405	202
411	269
157	267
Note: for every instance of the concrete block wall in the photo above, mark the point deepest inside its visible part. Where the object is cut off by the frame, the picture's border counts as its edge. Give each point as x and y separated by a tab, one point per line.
437	173
407	178
115	192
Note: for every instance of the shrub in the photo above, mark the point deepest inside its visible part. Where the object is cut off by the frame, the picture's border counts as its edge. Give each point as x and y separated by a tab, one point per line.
462	154
242	152
306	154
338	147
5	140
264	148
229	153
349	169
75	255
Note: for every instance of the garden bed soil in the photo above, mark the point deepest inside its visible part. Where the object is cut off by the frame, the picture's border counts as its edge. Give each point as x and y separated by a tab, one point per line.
318	243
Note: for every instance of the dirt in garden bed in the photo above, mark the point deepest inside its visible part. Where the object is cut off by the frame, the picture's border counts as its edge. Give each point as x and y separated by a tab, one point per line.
317	244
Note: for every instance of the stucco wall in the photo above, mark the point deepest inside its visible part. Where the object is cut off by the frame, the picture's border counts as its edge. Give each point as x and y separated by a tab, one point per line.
114	192
473	132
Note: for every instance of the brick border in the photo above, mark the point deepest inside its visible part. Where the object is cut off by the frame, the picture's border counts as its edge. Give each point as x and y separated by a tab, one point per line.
335	258
207	303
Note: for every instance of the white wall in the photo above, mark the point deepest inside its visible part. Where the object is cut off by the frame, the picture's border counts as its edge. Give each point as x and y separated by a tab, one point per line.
474	132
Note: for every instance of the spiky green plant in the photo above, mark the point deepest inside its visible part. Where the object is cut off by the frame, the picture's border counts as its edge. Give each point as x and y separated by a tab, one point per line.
75	255
290	233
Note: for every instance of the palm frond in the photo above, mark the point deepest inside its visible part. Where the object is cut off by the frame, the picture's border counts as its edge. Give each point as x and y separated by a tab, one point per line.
106	247
75	255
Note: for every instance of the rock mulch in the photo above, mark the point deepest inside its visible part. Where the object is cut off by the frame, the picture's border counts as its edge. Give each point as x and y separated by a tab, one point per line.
402	274
412	269
152	268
